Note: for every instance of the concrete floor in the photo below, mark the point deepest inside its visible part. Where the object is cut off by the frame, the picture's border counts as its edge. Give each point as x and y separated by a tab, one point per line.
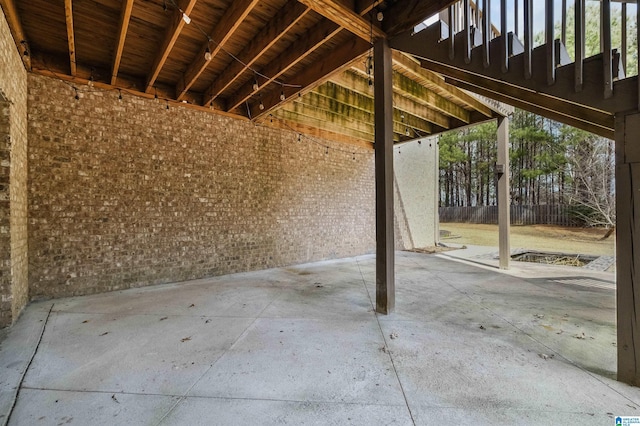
302	345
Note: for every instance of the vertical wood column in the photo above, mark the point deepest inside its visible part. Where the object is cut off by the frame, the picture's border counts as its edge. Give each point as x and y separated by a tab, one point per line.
385	242
504	199
627	135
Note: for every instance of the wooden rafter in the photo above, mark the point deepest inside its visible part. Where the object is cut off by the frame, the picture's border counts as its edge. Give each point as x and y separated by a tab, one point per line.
417	92
358	84
284	20
334	61
331	97
125	17
283	123
15	25
541	108
346	17
437	83
68	12
170	38
300	49
225	29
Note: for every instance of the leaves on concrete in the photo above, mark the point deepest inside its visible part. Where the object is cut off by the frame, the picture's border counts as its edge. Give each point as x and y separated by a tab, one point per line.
185	339
192	305
114	398
546	357
105	333
482	327
393	335
163	318
580	336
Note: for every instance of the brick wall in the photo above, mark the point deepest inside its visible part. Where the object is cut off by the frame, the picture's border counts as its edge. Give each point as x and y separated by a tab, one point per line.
125	194
13	179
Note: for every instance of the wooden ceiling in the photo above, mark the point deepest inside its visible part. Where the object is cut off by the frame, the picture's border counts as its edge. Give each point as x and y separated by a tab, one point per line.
302	65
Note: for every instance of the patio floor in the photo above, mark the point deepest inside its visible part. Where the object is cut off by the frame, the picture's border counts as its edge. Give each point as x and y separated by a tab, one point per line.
468	344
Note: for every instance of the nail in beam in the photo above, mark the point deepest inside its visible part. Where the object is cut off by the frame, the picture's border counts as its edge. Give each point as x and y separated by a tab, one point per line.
385	242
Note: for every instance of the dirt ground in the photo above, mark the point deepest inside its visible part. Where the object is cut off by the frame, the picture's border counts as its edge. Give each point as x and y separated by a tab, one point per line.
537	237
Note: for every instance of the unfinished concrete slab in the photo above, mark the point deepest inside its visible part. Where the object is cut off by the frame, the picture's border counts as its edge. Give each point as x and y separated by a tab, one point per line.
302	345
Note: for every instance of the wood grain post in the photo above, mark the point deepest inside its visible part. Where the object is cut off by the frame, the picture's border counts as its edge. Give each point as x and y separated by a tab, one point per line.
627	136
504	200
385	242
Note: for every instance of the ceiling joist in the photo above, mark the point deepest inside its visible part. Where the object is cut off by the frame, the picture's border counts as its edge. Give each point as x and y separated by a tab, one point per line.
346	18
170	38
284	20
229	23
17	31
125	18
68	13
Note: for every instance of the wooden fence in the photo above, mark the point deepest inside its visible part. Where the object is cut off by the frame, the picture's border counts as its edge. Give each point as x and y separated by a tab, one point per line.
520	215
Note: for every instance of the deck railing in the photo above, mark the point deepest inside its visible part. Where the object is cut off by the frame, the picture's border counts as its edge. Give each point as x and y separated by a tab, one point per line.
564	22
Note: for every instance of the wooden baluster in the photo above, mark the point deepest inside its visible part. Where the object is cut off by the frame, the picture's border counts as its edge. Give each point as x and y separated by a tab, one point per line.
550	43
486	31
528	36
564	23
452	51
516	30
623	41
504	55
467	32
606	46
579	43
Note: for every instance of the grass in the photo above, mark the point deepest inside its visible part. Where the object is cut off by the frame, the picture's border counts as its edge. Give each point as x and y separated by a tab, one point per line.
535	237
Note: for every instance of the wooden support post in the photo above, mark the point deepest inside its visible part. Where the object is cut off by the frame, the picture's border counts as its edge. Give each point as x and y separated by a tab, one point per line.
504	199
385	242
467	32
627	136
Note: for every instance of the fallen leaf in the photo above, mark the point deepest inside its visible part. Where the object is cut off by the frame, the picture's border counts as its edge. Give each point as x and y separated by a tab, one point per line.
114	398
482	327
393	335
192	305
580	336
560	332
207	321
105	333
85	321
545	356
538	316
185	339
163	318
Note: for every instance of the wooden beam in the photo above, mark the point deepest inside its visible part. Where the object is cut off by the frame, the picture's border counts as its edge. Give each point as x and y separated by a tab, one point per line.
347	18
404	15
68	12
125	17
170	38
229	23
300	49
437	83
284	20
540	107
627	181
17	31
385	241
315	74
